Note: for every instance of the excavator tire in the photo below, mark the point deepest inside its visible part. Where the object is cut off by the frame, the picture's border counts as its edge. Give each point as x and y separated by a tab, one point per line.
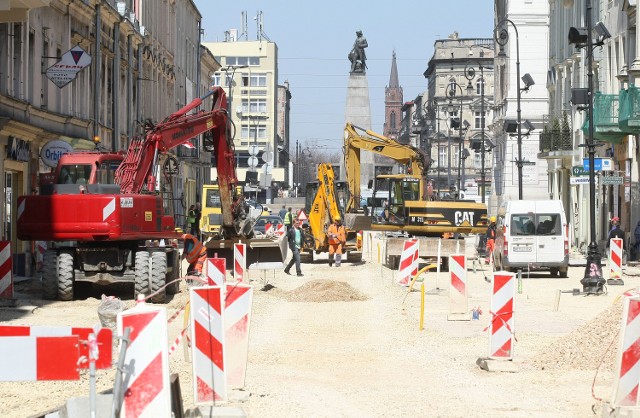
354	256
65	275
157	270
158	275
173	288
50	275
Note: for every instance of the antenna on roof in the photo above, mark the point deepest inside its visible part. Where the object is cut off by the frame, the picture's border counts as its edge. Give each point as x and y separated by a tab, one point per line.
243	27
260	27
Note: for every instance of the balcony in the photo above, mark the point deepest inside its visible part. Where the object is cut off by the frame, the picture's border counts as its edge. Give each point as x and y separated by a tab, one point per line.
556	141
605	119
629	119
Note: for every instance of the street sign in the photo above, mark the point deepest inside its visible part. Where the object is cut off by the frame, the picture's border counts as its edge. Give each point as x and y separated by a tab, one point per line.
528	163
600	164
612	180
252	161
171	166
578	180
578	170
72	62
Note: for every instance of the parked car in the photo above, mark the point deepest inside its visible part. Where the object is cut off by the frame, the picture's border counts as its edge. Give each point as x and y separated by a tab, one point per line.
262	221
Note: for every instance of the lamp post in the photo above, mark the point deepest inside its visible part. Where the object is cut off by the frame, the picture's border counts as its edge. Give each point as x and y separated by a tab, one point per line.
469	73
451	93
501	35
593	281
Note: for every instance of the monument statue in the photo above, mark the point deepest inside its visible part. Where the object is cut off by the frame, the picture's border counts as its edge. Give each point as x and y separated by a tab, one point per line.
357	55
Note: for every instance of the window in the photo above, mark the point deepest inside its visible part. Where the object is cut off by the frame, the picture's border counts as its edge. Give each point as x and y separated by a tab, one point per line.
254	105
216	79
392	120
442	156
477	161
252	61
536	224
106	172
258	80
250	132
479	119
75	174
213	198
480	86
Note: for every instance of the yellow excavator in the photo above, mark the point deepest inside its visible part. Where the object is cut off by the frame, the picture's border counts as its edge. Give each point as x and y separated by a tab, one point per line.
325	202
408	203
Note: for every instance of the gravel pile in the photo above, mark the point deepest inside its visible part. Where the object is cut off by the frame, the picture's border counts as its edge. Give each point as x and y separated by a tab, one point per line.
324	291
588	346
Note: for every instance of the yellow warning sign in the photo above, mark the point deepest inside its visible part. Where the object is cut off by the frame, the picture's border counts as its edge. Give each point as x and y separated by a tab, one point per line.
148	216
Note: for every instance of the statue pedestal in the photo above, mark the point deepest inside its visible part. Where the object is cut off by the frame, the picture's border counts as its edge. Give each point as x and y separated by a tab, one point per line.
358	112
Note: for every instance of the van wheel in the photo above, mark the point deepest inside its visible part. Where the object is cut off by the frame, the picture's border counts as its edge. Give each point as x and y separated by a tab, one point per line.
554	271
564	272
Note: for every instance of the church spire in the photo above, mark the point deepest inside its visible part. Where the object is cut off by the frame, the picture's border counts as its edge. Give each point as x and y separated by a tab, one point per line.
393	79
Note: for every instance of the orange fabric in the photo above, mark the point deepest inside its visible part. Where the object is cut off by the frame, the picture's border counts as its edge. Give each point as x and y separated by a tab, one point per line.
337	234
335	249
197	252
491	243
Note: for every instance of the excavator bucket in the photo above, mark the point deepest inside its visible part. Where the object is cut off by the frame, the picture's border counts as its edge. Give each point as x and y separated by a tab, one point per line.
262	253
357	221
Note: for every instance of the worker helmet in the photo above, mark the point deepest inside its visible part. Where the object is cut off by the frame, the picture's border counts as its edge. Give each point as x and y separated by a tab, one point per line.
492	219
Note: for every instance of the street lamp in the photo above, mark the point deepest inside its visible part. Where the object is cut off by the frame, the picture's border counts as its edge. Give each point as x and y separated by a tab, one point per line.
593	281
501	36
459	123
469	73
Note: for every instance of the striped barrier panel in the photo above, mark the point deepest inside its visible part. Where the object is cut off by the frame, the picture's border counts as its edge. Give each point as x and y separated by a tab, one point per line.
104	339
31	358
408	266
6	270
148	391
240	262
501	331
458	296
207	344
280	230
615	258
237	321
625	389
216	271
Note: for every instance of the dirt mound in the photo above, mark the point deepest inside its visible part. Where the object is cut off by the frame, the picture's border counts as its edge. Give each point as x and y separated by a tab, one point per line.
584	349
324	291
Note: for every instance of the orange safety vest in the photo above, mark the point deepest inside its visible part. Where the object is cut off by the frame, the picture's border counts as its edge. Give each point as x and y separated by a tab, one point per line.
197	251
338	232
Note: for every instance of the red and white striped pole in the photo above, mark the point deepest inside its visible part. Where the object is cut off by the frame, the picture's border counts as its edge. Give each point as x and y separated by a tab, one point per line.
615	259
207	348
148	391
408	266
458	297
6	270
625	389
216	271
240	262
237	321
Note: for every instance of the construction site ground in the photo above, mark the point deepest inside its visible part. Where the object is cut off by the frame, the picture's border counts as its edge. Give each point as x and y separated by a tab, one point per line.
346	342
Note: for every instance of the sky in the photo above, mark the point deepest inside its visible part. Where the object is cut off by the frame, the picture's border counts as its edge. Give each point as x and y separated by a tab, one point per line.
314	39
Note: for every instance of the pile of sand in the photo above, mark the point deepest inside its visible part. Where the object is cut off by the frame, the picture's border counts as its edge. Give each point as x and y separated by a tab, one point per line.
587	347
324	291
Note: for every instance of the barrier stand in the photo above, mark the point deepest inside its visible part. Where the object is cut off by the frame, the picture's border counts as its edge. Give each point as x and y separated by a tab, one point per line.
624	398
147	390
237	321
216	271
458	297
408	266
6	270
615	262
240	262
501	328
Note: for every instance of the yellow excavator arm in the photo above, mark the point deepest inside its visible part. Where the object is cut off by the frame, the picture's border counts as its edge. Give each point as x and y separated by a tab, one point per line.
357	139
324	208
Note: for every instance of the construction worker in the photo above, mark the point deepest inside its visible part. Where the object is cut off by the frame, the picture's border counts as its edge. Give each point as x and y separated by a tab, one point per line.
195	253
491	239
337	239
288	219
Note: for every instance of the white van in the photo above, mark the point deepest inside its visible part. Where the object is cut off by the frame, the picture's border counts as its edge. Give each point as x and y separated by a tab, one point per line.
532	234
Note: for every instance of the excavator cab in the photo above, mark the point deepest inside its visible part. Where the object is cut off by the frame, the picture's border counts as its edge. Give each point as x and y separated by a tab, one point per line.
400	189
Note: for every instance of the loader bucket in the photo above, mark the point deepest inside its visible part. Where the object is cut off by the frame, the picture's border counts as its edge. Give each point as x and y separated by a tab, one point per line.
357	221
262	253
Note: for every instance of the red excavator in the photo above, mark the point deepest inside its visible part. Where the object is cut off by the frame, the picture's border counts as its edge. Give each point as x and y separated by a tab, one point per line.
106	218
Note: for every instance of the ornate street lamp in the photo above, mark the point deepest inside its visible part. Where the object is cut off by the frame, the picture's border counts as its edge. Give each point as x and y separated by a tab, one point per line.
459	123
501	36
470	73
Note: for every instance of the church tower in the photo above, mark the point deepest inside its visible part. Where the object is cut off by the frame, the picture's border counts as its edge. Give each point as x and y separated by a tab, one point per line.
393	103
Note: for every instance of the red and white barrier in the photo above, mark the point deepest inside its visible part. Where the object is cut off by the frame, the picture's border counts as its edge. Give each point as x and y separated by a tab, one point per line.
104	339
501	329
39	358
615	258
625	389
148	391
237	320
408	262
207	348
280	229
239	262
6	270
216	271
458	297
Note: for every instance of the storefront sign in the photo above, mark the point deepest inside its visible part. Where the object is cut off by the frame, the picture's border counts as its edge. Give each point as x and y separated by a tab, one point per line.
18	149
65	71
53	150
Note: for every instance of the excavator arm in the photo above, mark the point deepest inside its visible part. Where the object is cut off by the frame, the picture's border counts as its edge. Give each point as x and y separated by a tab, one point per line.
357	139
324	208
